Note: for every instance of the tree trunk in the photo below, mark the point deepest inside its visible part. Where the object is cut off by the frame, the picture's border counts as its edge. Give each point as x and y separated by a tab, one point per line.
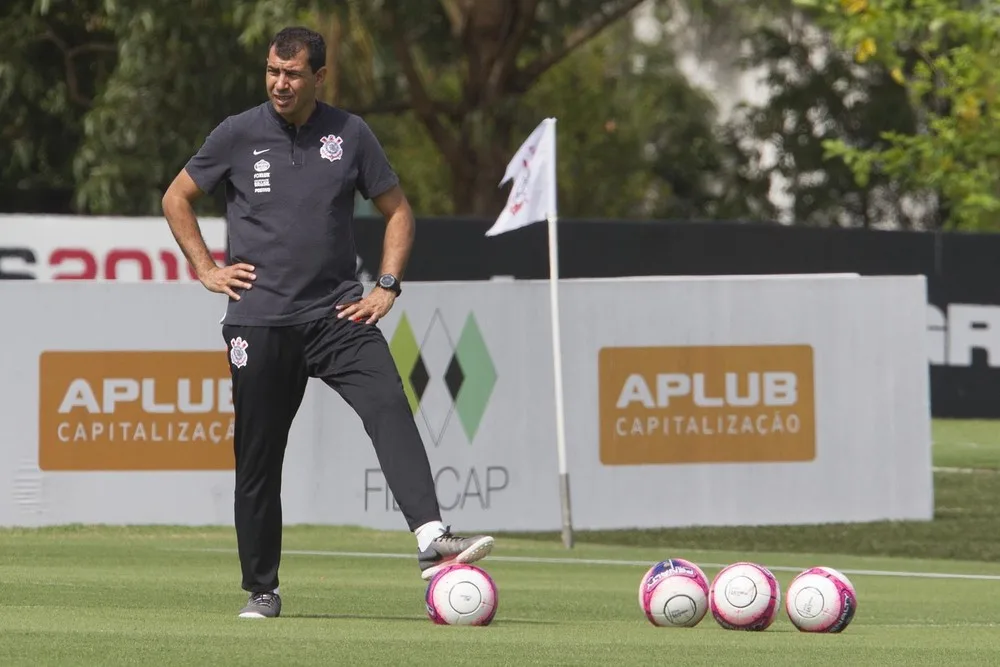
474	135
484	149
331	87
476	189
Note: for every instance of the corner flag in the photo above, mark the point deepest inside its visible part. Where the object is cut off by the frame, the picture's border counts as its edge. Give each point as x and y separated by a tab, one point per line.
533	198
533	169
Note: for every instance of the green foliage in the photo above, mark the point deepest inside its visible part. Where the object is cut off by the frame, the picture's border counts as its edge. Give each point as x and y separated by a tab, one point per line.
632	142
635	141
54	59
945	55
455	74
602	125
452	88
450	97
818	95
421	167
181	70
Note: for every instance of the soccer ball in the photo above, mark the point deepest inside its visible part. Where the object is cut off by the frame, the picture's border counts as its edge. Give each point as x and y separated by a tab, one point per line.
744	596
461	594
674	593
821	599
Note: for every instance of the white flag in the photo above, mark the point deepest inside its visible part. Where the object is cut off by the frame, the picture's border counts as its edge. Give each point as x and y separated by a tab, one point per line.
533	196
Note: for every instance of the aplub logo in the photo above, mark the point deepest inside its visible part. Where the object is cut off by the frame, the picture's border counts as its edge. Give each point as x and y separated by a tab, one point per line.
444	376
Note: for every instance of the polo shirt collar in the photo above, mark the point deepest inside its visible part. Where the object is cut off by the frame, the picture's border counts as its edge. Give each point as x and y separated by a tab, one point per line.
277	117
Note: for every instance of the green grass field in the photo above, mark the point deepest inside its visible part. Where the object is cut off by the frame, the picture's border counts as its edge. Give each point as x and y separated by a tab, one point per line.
168	596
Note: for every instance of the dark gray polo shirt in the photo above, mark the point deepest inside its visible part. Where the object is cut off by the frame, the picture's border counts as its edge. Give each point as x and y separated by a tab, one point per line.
290	207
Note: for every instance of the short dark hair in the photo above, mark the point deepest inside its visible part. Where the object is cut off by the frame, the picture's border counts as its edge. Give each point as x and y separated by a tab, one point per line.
289	41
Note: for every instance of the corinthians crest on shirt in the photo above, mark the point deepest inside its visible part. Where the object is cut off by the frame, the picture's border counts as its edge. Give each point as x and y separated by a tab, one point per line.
331	149
238	352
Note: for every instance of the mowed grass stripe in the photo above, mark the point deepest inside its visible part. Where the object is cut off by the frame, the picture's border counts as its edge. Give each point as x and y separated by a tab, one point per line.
143	602
538	560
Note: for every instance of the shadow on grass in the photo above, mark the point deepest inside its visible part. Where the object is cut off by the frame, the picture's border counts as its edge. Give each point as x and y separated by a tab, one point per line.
359	617
421	619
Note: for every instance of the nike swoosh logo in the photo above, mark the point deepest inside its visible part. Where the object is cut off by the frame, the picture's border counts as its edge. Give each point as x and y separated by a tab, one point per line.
256	152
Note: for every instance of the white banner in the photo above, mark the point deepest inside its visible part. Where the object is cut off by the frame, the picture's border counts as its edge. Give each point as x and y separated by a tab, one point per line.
711	401
59	247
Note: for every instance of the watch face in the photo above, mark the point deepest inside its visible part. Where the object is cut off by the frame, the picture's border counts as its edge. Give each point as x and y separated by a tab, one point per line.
386	281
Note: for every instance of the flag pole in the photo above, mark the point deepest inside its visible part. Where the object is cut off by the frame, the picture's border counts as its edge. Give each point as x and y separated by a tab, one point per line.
524	207
551	219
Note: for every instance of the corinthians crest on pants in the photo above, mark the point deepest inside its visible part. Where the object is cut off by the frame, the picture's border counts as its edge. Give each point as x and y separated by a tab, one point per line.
331	149
238	352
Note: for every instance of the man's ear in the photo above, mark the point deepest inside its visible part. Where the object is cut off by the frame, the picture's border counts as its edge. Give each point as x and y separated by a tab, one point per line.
320	75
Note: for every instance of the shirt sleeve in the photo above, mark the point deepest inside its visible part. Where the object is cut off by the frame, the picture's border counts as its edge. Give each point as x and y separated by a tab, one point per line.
211	164
375	174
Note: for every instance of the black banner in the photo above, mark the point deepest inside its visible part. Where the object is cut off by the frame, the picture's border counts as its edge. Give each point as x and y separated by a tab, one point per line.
963	274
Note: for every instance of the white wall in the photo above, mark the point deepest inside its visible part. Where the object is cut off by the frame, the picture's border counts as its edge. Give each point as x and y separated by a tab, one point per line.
857	347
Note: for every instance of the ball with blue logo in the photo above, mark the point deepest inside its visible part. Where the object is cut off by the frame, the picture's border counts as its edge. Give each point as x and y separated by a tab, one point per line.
674	594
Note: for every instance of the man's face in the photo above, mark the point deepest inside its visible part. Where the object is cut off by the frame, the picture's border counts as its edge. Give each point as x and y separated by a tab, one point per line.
291	85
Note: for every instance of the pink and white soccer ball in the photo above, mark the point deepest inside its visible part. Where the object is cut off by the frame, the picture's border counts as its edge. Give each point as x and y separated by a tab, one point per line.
821	599
674	593
461	594
745	596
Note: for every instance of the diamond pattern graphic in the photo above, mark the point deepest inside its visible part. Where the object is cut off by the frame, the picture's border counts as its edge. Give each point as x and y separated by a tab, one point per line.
436	403
419	377
454	377
443	377
406	354
480	377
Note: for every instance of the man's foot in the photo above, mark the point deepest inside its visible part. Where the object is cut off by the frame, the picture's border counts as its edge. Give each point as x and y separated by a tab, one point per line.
262	605
447	549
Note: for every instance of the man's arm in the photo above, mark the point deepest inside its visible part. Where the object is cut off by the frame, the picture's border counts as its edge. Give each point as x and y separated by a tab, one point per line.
377	181
400	229
178	208
375	175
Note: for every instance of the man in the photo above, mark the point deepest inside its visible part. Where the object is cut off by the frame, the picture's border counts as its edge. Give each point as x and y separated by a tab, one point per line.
291	167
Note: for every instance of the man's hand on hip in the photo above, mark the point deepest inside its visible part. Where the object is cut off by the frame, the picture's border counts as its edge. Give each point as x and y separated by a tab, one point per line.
371	309
223	279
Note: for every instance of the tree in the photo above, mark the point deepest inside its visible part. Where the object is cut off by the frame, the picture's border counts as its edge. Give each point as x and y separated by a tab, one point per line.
775	164
944	54
818	95
635	138
634	141
55	59
181	70
454	90
461	66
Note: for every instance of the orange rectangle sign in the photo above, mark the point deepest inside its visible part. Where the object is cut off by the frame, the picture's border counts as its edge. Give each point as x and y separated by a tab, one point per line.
135	410
706	404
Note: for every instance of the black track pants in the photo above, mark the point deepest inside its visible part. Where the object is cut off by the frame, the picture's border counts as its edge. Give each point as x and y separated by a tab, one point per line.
354	360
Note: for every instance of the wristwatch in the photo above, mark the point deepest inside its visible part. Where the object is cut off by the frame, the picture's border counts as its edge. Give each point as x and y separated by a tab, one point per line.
389	282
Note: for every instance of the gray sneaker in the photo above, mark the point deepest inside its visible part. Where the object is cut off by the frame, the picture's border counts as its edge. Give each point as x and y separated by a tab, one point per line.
448	549
262	605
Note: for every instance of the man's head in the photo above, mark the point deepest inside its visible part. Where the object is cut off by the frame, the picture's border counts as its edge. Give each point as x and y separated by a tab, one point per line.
296	62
